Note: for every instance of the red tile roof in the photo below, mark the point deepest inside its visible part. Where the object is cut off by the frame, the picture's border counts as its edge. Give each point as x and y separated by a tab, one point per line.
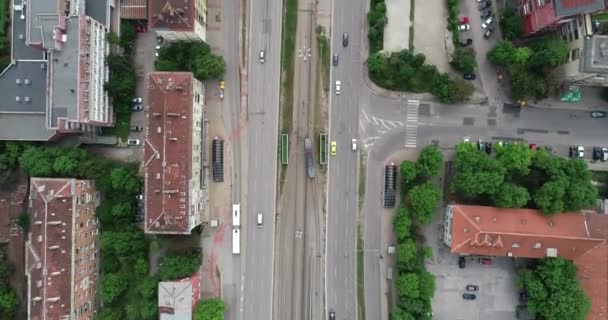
176	15
168	153
134	9
540	18
52	269
582	238
576	3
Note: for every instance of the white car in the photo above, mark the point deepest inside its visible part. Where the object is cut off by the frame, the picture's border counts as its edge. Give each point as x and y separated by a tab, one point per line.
262	56
260	219
581	151
338	85
487	23
354	142
464	27
133	142
466	139
137	100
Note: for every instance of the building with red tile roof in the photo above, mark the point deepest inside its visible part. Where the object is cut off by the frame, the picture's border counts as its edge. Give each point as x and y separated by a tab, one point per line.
174	201
178	19
62	260
543	15
526	233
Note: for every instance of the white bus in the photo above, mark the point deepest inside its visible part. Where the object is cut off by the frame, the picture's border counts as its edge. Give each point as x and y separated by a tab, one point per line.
236	241
236	215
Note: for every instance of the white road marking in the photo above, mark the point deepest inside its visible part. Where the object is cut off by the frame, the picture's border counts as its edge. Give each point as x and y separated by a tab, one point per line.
366	117
384	124
411	125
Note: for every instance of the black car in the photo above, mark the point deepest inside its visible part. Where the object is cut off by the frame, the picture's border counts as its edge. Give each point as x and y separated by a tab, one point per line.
345	39
485	14
461	262
488	33
469	76
549	149
484	5
469	296
335	60
332	315
489	147
597	153
472	287
466	42
136	128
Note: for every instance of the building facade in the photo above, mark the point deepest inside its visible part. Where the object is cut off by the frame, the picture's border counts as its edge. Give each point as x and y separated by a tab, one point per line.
178	19
175	183
62	249
55	82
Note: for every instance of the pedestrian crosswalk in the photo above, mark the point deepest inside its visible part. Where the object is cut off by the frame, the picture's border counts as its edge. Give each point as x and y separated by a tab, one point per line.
411	123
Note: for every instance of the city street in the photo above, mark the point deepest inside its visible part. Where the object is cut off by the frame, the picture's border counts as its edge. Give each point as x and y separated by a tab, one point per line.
262	126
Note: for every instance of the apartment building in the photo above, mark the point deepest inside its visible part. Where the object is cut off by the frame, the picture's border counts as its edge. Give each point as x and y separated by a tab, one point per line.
175	194
178	19
55	82
62	249
545	15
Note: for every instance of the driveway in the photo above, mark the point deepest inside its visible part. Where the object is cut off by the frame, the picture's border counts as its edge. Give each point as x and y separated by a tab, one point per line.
497	295
430	36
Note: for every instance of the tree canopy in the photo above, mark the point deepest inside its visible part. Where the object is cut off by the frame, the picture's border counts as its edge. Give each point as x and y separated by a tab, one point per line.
464	60
402	224
423	202
554	292
178	266
195	57
210	309
429	161
511	24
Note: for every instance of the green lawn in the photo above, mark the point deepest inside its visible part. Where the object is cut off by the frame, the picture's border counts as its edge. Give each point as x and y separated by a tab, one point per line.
323	42
360	279
290	21
601	16
121	127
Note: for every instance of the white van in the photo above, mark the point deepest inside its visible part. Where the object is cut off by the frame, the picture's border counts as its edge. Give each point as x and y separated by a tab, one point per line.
260	219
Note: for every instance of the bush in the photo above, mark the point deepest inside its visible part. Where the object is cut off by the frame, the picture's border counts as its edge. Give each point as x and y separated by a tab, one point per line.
195	57
511	24
453	21
464	61
210	309
376	20
177	267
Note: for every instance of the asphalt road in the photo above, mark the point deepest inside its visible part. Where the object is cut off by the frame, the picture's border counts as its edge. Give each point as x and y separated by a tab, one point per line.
341	294
262	127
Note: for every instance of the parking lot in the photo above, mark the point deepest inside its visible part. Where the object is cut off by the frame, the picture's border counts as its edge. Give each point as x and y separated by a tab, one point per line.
496	298
430	38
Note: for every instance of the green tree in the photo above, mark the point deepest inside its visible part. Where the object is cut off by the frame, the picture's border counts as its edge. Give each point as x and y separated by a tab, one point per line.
511	196
124	243
210	309
423	201
549	52
553	290
112	286
430	161
178	266
457	91
141	267
122	210
377	63
109	313
123	180
402	224
63	165
502	54
209	66
516	158
550	197
400	314
476	173
426	281
35	162
407	285
407	173
511	24
406	255
580	194
464	60
23	221
8	304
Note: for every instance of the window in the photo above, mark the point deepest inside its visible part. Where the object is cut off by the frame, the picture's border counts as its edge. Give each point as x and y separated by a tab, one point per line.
515	245
537	245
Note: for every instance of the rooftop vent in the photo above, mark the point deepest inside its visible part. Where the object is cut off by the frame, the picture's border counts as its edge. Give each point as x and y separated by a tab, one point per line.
27	81
477	218
21	36
26	99
550	223
18	81
18	98
523	221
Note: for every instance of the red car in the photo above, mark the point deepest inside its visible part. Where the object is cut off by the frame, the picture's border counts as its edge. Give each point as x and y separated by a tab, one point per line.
464	20
533	146
486	261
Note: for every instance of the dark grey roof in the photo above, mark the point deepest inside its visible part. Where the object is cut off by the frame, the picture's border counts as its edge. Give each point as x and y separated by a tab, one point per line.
24	127
43	19
64	78
98	10
571	7
595	55
23	87
19	49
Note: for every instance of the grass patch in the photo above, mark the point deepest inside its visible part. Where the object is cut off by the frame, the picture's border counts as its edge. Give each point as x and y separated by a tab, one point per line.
121	127
361	180
411	39
600	16
288	39
360	278
323	42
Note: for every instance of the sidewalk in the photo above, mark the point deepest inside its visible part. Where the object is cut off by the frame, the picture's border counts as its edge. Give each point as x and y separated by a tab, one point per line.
591	99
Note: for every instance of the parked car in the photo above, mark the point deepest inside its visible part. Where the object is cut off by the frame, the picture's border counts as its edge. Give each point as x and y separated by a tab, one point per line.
489	148
549	149
597	153
464	27
262	56
487	23
533	146
137	107
486	261
485	14
472	287
469	296
335	60
461	262
338	85
577	152
334	148
469	76
464	20
159	39
136	128
604	154
137	100
488	33
354	143
523	297
484	5
139	197
466	42
466	139
332	315
598	114
481	145
133	142
345	39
